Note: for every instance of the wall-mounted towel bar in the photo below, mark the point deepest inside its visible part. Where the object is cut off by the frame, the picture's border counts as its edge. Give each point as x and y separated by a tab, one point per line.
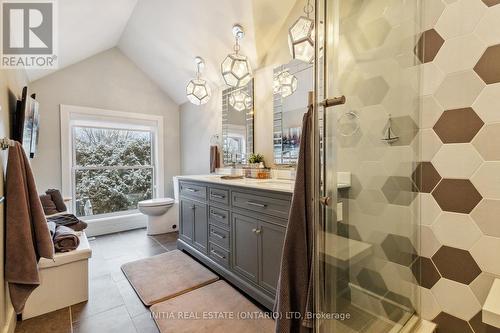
6	143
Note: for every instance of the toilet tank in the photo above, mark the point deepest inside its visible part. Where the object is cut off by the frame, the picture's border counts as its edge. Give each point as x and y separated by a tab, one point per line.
176	188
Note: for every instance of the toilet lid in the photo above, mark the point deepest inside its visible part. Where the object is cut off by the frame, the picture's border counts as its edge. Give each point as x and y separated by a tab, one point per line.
156	202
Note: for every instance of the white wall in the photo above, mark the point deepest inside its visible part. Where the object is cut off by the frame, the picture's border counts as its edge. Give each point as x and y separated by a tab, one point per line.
198	124
11	84
108	80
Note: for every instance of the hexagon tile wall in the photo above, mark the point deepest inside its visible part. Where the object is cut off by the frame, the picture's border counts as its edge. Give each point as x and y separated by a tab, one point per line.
459	176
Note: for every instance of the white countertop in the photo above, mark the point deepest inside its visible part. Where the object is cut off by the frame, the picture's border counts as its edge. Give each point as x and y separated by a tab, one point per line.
279	185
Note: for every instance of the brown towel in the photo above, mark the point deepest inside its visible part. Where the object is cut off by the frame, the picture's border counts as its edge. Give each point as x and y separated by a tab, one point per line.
27	236
65	239
295	285
214	158
49	207
58	199
68	220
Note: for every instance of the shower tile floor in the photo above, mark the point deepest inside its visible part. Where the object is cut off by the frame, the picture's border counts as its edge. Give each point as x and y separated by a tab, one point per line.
113	305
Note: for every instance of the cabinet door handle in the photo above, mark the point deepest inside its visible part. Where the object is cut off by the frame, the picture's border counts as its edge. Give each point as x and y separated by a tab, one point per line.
193	207
257	231
257	204
191	189
218	215
218	196
217	255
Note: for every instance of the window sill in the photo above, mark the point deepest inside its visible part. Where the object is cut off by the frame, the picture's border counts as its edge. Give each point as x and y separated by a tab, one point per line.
102	225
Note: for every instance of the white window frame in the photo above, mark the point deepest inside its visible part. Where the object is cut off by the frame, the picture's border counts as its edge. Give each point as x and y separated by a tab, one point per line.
78	116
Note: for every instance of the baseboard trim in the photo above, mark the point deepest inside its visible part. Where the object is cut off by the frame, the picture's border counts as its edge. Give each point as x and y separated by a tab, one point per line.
112	224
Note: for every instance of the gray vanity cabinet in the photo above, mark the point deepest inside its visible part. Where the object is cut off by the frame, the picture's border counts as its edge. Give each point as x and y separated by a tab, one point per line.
200	239
186	214
194	223
246	247
257	250
272	238
237	232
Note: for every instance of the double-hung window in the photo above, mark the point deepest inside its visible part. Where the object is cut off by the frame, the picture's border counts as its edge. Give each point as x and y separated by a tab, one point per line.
113	169
111	160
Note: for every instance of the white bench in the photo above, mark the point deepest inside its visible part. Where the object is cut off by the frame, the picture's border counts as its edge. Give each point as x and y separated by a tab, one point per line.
64	281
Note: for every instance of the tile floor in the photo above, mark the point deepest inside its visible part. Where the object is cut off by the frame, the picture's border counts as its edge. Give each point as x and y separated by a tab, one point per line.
113	306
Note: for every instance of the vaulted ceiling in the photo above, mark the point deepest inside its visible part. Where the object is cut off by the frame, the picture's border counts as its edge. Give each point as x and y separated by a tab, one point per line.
162	37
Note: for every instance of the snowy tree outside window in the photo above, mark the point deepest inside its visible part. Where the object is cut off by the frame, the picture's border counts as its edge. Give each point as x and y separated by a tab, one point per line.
112	169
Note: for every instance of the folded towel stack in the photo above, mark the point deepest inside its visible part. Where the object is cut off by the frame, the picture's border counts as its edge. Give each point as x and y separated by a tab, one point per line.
65	239
68	220
52	202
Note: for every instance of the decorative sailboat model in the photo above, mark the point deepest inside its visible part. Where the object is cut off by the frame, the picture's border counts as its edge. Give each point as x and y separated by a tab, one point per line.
390	137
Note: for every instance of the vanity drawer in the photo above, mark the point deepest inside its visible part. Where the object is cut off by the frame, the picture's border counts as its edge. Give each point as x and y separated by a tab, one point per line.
193	191
219	216
219	196
262	204
219	236
218	254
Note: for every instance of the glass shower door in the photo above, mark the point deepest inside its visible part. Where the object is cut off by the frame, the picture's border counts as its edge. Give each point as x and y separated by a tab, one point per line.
367	237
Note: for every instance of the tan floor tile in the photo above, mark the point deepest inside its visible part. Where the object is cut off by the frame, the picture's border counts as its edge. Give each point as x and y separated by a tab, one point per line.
55	322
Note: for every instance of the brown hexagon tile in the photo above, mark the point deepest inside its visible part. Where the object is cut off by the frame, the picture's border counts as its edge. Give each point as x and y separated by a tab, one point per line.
372	281
399	249
488	67
487	142
456	264
491	3
425	272
479	327
458	126
426	177
456	195
449	324
348	231
399	190
428	45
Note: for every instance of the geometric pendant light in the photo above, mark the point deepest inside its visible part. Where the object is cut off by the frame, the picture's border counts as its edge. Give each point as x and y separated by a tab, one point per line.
197	90
301	36
240	100
235	68
285	83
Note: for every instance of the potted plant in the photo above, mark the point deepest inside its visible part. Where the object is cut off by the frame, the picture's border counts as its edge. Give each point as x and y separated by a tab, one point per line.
256	159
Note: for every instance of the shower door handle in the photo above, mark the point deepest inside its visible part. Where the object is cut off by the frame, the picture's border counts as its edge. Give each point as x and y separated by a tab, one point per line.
329	102
325	201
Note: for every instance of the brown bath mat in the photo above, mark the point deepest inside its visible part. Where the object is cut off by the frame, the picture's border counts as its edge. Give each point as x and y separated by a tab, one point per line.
195	312
166	275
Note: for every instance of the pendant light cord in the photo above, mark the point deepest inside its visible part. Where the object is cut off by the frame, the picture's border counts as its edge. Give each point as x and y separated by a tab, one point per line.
308	8
237	45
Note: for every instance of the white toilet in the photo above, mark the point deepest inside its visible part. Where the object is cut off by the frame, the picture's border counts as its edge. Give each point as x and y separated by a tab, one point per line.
162	213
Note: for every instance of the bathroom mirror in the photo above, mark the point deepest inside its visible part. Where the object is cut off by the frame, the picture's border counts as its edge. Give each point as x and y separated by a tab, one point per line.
292	83
237	124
